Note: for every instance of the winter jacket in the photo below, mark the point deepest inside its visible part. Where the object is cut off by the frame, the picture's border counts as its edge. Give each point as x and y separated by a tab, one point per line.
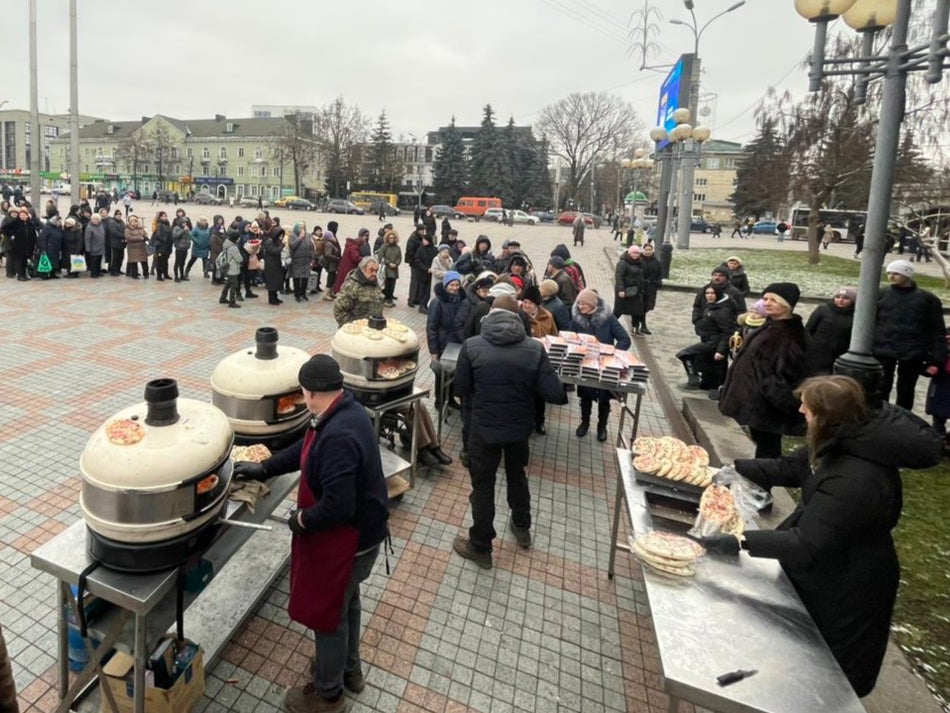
717	325
566	290
50	241
21	235
441	264
348	262
343	472
73	239
501	371
542	324
737	278
331	251
699	303
234	256
759	387
423	257
272	246
836	547
390	256
201	242
181	238
359	297
162	239
570	264
829	329
629	280
115	233
301	255
653	277
602	324
135	244
95	239
216	242
558	310
464	319
440	323
412	244
910	326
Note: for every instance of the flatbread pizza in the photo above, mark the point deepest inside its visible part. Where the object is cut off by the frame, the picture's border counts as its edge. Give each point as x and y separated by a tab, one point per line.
124	432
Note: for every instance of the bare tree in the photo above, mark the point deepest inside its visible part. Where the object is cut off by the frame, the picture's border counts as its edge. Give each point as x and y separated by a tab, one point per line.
164	148
585	128
296	143
340	129
133	150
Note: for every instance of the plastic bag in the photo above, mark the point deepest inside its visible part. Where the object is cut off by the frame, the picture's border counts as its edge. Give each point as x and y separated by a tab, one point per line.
77	263
734	512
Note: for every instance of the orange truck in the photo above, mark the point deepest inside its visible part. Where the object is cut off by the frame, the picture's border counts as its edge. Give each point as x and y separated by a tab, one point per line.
475	206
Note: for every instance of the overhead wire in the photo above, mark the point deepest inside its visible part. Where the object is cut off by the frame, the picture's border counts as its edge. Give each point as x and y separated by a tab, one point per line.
609	31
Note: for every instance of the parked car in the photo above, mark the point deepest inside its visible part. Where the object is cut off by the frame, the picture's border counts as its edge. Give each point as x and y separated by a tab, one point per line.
387	209
203	198
766	227
299	204
445	211
62	189
569	216
283	200
700	226
493	214
252	202
545	216
519	216
341	205
591	219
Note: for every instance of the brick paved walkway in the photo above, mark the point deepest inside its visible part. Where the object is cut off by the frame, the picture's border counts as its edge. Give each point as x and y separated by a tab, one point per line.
544	630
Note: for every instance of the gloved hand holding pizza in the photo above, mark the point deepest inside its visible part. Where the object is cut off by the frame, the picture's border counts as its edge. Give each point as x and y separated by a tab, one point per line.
249	470
720	544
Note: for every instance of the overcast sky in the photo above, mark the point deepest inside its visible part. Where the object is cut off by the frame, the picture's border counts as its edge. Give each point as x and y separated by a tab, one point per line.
423	61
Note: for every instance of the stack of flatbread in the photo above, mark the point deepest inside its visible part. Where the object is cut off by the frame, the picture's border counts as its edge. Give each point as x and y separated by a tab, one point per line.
667	553
718	512
668	457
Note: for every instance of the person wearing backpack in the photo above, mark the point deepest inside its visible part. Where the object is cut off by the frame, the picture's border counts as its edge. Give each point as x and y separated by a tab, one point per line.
571	267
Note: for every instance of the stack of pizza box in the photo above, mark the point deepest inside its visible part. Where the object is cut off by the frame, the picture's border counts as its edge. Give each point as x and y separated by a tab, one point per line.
556	347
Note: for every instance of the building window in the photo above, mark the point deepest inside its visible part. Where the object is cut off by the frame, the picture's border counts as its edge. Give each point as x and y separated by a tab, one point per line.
240	171
712	162
263	171
253	188
276	171
145	168
174	153
239	189
222	170
258	154
223	152
275	192
701	181
730	163
189	153
240	153
99	151
699	197
205	152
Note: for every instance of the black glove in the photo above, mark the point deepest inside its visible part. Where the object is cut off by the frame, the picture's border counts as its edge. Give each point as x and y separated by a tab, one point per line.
249	470
293	522
720	544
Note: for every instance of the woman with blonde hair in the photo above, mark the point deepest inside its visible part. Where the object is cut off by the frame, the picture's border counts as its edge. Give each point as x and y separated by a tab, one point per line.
135	247
390	257
836	547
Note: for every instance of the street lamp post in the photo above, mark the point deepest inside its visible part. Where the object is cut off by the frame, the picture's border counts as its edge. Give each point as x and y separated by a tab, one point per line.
639	163
690	159
869	17
686	186
675	136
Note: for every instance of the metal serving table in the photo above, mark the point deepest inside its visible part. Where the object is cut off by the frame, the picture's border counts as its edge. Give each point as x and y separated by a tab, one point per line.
736	613
396	485
618	392
135	595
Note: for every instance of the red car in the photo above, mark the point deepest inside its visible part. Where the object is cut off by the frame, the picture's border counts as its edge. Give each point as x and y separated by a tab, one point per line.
569	216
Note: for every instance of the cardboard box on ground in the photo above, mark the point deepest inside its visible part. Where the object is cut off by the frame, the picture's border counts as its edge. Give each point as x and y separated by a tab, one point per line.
185	691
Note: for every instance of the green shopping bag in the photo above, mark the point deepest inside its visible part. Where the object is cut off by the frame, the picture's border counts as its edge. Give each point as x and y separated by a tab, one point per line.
44	265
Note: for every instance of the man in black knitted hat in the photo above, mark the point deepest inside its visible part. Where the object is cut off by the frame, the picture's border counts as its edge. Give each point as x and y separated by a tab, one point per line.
337	526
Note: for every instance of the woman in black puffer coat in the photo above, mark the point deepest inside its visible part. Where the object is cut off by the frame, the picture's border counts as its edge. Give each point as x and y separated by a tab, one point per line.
653	277
440	324
706	361
836	547
829	329
629	286
759	388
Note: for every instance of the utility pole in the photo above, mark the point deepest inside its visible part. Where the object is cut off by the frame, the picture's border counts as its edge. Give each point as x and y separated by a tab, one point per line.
36	131
74	112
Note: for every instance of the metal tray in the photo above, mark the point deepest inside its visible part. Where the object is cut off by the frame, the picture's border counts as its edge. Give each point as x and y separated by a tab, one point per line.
675	488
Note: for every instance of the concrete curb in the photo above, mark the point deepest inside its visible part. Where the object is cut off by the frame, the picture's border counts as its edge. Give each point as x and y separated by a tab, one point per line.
898	687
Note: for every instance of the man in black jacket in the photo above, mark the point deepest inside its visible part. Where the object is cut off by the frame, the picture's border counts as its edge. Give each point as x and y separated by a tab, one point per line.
908	334
412	244
501	371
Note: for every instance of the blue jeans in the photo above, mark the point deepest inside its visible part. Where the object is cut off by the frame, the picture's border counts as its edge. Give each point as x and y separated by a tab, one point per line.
339	652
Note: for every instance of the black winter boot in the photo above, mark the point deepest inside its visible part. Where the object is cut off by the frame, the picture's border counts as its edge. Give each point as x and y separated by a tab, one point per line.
585	418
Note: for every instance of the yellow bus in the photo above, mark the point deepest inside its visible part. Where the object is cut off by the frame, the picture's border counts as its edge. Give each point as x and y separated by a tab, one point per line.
368	199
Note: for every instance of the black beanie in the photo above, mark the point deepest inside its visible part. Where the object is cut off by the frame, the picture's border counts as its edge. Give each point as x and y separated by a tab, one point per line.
333	227
788	291
532	294
320	373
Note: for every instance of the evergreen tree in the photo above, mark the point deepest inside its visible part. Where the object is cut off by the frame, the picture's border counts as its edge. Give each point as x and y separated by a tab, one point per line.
490	167
450	169
383	172
761	178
